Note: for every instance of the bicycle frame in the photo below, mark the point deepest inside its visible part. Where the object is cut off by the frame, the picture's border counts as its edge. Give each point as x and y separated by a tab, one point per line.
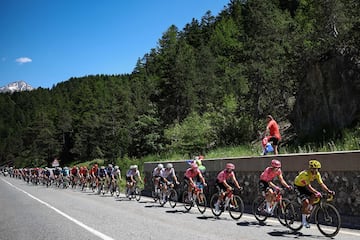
326	216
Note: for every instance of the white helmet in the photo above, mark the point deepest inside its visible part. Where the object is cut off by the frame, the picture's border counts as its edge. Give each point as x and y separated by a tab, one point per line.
160	166
169	165
116	167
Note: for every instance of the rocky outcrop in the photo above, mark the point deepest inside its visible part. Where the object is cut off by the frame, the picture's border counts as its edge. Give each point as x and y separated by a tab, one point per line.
328	98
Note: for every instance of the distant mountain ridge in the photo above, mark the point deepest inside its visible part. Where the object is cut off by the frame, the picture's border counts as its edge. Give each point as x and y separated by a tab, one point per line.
18	86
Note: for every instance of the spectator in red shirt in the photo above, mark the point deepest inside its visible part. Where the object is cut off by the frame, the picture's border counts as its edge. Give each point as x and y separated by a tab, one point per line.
272	133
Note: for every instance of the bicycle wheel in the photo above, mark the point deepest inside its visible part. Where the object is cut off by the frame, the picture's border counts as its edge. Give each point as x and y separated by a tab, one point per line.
327	219
137	193
258	209
201	202
236	207
187	200
172	197
162	196
100	188
293	216
280	210
216	210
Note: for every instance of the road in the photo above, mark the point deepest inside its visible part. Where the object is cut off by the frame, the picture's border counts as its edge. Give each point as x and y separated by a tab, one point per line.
37	212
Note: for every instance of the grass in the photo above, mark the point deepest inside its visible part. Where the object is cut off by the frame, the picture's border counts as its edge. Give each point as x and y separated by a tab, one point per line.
349	141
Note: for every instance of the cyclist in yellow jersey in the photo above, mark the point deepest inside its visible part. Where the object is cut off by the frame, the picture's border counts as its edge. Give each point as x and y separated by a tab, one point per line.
307	193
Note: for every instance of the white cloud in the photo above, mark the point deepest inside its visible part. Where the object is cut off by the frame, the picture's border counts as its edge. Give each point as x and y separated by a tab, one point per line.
23	60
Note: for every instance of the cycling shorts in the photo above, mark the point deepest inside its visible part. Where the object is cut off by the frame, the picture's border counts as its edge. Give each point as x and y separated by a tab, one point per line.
303	192
263	186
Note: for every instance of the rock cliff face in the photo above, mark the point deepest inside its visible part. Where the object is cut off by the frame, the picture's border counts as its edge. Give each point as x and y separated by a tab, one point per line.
328	98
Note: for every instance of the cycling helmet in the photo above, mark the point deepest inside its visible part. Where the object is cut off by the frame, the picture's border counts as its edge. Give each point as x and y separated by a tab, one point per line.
275	163
160	166
116	167
314	164
102	167
194	166
134	167
230	166
110	165
169	165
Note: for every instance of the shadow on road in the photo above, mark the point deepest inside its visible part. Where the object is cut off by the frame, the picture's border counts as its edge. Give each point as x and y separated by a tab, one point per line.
288	233
252	223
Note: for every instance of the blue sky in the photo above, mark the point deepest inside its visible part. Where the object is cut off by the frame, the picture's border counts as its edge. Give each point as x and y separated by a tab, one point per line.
44	42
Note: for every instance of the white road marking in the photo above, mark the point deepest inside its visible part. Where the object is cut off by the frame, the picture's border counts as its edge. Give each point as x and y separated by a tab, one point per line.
91	230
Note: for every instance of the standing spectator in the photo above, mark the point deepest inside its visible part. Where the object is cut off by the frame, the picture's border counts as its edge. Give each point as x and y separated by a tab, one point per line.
272	133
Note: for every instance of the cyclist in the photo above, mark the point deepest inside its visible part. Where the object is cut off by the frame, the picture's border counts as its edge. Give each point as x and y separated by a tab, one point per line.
307	193
156	175
168	176
115	176
74	174
266	185
94	173
109	171
221	182
101	175
131	176
189	177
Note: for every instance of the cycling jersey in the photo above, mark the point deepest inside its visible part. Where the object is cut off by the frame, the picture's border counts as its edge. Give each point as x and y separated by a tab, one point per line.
94	170
116	173
306	177
133	173
190	173
56	172
269	174
109	170
74	171
157	172
166	173
101	172
224	175
65	172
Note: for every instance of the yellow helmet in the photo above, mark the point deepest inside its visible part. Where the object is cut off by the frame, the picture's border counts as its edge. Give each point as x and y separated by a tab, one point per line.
314	164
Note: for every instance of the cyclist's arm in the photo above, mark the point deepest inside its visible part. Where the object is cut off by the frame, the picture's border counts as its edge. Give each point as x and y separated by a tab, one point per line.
325	188
235	181
202	178
283	182
311	189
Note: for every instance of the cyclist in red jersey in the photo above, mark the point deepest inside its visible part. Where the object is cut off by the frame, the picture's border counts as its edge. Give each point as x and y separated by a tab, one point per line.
190	175
272	133
266	185
222	181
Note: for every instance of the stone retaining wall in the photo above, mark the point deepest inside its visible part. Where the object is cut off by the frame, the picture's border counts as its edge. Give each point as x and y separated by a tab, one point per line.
340	172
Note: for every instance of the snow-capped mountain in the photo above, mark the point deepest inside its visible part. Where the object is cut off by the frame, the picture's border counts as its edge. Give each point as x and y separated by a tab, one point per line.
18	86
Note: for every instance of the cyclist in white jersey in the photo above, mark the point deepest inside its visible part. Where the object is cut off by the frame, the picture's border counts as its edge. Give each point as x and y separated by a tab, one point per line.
131	176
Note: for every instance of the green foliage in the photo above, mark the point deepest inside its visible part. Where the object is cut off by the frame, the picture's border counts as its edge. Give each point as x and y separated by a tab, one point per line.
193	136
203	88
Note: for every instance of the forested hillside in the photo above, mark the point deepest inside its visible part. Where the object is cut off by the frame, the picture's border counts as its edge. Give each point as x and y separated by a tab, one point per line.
208	85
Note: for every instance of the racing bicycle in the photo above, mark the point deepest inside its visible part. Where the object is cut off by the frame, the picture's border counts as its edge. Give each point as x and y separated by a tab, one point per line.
231	202
323	214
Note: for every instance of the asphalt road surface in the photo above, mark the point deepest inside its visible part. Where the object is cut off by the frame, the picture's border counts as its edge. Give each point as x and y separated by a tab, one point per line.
37	212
